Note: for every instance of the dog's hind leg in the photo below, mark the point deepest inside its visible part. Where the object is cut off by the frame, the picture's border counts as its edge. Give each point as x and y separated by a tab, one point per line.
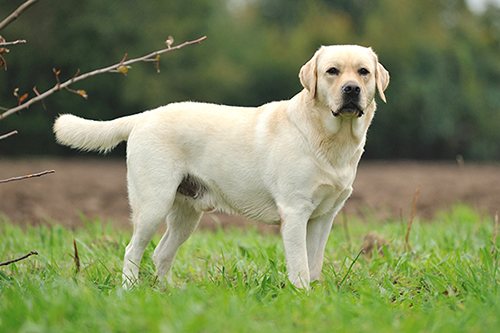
150	200
182	220
146	222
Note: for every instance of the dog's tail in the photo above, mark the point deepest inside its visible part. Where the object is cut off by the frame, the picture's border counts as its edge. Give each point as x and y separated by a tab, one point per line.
89	135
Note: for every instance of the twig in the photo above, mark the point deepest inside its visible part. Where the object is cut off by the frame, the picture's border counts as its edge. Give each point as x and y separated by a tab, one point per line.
415	199
109	69
5	136
8	262
20	41
57	72
27	176
38	94
76	257
16	13
495	234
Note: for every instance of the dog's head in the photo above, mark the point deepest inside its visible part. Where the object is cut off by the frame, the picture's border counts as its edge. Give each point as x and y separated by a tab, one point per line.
344	78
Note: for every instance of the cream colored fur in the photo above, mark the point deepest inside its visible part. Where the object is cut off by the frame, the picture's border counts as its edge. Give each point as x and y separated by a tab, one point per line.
290	163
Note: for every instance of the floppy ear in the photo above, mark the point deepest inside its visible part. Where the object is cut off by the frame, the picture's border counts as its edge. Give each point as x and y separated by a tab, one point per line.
308	76
382	79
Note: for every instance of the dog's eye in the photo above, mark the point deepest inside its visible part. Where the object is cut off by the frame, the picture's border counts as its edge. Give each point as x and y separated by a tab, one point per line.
363	71
333	71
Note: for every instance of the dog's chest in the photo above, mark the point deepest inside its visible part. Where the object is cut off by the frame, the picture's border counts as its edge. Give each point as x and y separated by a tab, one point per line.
334	186
330	199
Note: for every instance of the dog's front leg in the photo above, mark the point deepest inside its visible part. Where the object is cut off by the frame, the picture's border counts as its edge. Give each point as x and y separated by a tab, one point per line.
293	232
318	230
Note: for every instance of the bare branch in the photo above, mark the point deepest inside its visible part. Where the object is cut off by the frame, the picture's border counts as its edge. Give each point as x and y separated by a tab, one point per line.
27	176
20	41
5	136
16	13
114	68
8	262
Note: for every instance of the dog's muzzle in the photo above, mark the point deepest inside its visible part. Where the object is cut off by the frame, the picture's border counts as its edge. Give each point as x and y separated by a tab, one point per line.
351	95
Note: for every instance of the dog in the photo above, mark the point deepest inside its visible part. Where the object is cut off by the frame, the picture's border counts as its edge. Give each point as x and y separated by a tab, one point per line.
290	163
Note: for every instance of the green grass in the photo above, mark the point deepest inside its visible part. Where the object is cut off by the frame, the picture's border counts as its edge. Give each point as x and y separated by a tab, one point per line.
234	281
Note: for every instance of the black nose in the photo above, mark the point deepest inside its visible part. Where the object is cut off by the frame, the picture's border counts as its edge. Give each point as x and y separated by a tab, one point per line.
351	89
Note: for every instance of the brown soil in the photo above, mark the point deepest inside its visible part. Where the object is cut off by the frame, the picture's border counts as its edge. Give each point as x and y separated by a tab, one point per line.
96	188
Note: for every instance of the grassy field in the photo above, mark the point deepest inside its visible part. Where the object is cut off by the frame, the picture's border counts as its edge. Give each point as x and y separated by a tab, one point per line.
235	281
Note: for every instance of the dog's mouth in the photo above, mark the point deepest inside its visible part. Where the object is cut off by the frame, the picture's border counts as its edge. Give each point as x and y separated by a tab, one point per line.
349	108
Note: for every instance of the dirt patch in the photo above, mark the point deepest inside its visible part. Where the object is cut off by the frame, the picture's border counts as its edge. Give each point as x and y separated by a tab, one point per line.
96	188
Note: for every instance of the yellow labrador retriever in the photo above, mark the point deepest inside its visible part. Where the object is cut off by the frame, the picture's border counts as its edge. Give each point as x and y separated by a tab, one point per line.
290	163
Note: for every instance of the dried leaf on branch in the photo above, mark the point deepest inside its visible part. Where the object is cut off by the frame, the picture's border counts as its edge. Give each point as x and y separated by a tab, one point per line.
3	63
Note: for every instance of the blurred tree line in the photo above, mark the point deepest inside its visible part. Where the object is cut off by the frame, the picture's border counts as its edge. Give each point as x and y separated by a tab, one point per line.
444	60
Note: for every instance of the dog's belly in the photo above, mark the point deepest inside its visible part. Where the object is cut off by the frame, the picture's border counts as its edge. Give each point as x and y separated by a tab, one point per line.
258	206
260	210
263	209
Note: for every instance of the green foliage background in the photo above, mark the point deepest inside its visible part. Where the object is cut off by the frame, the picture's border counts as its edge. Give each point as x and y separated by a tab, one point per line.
444	60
